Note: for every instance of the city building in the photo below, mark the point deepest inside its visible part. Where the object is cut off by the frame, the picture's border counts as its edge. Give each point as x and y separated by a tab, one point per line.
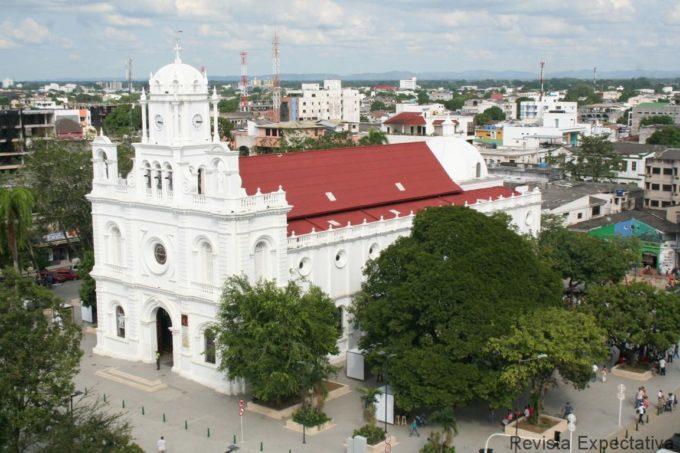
192	212
648	109
536	110
661	179
7	83
634	157
330	103
605	113
408	84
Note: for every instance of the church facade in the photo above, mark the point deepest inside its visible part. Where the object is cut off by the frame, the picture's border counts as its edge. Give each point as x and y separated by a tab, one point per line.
192	212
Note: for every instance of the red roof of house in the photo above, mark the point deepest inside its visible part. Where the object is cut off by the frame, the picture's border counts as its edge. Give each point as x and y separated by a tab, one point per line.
496	96
384	88
407	119
322	182
439	122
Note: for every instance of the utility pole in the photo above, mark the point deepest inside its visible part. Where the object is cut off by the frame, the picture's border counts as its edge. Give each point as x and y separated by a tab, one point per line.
244	81
128	76
542	65
595	79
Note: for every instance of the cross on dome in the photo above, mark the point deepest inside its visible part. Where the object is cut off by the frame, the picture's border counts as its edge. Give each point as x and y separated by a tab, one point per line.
178	47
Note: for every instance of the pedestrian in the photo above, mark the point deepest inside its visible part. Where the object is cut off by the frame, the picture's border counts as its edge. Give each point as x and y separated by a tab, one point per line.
414	429
158	360
662	366
669	355
641	412
660	399
567	410
527	412
639	397
594	378
160	445
604	374
676	351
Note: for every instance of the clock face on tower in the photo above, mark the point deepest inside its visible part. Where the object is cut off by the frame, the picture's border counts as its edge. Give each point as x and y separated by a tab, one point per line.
197	121
158	121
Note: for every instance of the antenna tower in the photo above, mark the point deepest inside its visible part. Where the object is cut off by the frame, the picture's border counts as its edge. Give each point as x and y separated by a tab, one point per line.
128	77
276	81
244	81
542	65
595	79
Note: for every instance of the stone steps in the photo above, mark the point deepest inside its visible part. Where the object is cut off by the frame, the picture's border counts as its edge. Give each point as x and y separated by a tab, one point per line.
131	380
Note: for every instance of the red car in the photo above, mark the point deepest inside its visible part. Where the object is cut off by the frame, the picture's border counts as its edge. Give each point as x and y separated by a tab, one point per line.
56	277
66	274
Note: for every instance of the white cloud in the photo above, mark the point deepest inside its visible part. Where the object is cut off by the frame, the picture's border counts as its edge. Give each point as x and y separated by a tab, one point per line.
119	36
28	31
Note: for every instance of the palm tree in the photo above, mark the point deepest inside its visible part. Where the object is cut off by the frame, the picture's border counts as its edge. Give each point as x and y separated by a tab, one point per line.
447	418
16	216
369	396
374	137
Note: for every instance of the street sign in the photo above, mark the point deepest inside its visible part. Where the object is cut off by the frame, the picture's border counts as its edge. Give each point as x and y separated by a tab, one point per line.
241	403
622	392
240	411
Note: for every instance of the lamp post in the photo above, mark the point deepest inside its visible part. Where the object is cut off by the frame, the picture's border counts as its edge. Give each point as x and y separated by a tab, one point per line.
387	357
531	359
621	396
76	393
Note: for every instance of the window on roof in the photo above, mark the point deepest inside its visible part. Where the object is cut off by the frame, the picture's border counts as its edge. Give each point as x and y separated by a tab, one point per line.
400	186
330	196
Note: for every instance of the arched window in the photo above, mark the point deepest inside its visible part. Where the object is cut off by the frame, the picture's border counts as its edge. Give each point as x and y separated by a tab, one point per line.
209	345
120	322
158	177
205	262
478	170
200	181
261	260
341	324
168	177
105	164
115	246
147	175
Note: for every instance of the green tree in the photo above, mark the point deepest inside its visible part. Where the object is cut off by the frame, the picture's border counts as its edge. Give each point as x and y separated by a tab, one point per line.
595	159
446	417
369	398
123	120
88	287
60	175
581	259
224	127
330	140
668	135
545	342
656	119
638	318
374	137
431	301
490	115
583	94
16	219
39	353
277	339
423	97
228	105
126	155
378	105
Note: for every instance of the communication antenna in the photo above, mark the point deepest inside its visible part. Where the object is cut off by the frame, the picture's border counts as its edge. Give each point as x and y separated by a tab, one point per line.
595	79
276	81
542	66
128	77
244	81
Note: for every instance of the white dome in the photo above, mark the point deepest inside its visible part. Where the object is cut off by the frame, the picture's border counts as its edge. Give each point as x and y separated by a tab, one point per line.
461	160
178	78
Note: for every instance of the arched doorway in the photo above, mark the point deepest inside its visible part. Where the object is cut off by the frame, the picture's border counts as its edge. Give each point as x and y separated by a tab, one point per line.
164	335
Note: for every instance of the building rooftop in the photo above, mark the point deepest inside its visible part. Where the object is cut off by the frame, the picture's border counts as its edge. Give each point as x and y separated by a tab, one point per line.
653	218
654	104
292	125
407	119
638	149
668	154
561	192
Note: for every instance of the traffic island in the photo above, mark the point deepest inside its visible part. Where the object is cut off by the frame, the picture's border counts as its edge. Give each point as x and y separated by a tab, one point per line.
546	427
379	447
636	373
310	430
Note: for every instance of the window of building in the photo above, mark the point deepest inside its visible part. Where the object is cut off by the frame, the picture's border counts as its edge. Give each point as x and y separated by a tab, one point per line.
649	169
667	171
655	187
665	204
209	345
646	201
654	203
120	322
633	166
596	210
478	170
115	246
647	185
579	215
205	259
624	165
667	188
200	181
261	260
656	170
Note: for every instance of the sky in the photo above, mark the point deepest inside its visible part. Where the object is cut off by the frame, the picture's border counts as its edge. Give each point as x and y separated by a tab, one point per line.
56	39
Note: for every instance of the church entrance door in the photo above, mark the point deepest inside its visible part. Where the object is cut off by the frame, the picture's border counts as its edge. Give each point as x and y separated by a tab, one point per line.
164	334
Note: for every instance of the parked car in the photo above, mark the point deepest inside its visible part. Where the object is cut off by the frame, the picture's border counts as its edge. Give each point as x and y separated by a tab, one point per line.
49	277
67	274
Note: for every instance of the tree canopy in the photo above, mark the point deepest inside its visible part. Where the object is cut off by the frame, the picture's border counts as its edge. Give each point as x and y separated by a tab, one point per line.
583	260
432	300
490	115
636	316
228	105
60	175
374	137
120	121
277	339
668	135
39	353
544	342
583	94
327	141
595	159
16	219
656	119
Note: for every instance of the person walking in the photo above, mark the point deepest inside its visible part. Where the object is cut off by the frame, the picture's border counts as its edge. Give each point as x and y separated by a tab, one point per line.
594	378
639	397
676	351
641	412
662	366
160	445
158	360
604	374
414	429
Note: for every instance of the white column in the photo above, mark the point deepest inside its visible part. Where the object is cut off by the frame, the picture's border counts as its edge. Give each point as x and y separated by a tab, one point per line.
143	104
215	99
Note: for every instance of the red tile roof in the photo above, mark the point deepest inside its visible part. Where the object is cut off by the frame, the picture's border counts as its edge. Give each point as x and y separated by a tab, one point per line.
439	122
407	119
384	88
357	178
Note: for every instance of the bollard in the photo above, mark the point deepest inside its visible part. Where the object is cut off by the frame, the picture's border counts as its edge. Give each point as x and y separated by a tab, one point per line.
234	442
637	425
261	449
208	432
186	425
163	417
142	410
104	397
123	404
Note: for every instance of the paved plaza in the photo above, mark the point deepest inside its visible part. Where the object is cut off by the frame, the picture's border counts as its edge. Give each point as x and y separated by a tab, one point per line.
159	393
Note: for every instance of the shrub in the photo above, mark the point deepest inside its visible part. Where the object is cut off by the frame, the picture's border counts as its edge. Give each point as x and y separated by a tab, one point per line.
373	434
309	417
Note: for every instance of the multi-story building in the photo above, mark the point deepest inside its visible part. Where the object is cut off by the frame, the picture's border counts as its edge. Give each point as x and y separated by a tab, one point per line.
662	179
605	113
7	83
648	109
634	157
535	110
330	103
408	84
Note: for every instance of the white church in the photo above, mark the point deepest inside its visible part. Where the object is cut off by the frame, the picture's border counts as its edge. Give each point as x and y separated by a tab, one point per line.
192	212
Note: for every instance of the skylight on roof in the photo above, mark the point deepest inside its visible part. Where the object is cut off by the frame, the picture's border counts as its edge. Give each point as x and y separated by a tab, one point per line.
400	186
330	196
